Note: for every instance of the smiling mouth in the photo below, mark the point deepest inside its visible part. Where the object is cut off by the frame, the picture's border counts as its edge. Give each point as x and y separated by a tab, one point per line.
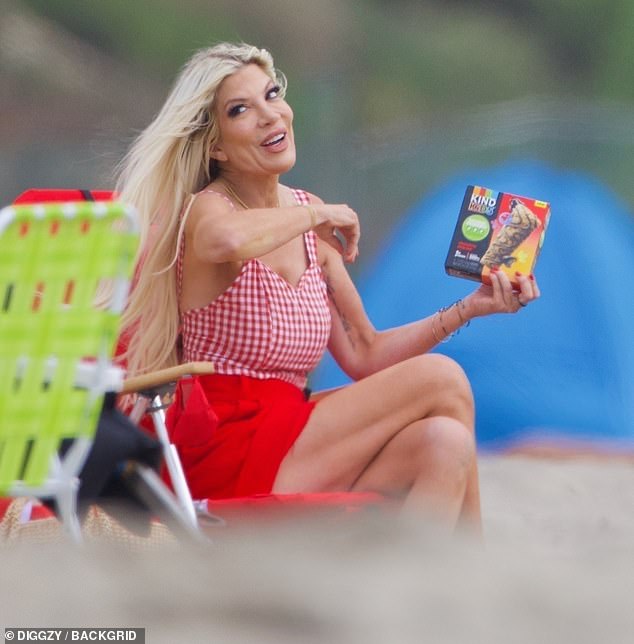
278	138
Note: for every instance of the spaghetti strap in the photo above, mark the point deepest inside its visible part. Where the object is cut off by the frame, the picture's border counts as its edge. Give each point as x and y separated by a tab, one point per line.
310	239
301	196
310	243
188	208
181	244
215	192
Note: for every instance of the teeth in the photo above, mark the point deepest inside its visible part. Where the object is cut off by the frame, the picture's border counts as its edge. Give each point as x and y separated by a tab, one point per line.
274	140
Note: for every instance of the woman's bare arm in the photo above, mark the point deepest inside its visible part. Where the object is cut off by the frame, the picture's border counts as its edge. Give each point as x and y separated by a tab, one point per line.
361	350
355	344
221	234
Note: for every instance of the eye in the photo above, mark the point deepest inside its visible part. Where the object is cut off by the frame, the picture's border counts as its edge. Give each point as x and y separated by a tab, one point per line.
274	92
237	110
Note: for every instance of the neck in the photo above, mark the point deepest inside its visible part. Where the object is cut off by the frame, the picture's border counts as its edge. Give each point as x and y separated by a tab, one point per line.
250	193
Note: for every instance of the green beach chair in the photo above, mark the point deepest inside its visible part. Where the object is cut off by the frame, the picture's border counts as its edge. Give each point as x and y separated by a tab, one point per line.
56	345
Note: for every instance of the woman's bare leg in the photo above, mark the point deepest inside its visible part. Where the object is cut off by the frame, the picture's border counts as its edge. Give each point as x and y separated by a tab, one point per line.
427	464
471	513
351	426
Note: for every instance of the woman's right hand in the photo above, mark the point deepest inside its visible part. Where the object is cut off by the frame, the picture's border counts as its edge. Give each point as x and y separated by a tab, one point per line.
335	221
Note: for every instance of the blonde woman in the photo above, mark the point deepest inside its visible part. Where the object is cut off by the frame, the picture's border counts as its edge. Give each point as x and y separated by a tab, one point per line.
248	273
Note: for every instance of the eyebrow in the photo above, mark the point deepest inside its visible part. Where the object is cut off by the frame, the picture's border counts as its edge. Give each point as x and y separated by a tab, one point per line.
234	100
228	102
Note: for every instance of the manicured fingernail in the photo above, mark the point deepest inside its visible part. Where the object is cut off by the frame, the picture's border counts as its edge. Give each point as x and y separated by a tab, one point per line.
518	274
531	277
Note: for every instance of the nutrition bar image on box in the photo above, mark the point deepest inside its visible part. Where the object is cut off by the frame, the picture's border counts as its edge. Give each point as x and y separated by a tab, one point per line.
521	223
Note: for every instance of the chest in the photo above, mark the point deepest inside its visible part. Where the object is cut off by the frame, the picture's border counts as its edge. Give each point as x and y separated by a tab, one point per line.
289	261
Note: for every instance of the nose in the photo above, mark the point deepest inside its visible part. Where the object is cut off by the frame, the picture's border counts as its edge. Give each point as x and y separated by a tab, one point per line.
266	113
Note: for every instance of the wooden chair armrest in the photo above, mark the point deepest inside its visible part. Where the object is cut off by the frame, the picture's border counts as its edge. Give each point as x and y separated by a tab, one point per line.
165	376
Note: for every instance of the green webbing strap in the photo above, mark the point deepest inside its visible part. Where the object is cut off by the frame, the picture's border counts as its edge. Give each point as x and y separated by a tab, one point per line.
53	260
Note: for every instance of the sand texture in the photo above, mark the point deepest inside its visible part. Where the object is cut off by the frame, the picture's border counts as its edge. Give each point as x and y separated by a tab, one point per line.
557	566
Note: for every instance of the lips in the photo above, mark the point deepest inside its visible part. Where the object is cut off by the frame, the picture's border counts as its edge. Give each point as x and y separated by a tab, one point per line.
274	139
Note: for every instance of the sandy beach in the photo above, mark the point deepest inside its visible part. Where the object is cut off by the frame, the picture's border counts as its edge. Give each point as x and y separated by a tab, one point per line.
557	566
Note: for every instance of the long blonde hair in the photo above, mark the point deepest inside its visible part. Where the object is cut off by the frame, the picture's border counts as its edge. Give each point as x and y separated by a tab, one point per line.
169	161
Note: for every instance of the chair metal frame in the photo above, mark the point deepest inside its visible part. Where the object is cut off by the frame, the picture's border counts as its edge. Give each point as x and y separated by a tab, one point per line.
151	390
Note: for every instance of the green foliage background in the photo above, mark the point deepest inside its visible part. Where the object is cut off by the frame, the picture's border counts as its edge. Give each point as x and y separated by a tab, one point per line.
390	96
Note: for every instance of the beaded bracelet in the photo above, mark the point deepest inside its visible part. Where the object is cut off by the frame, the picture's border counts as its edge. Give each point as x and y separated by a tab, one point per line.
433	330
442	310
460	304
439	313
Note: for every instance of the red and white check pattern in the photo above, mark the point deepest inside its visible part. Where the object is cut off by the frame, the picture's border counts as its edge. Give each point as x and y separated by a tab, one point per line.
262	326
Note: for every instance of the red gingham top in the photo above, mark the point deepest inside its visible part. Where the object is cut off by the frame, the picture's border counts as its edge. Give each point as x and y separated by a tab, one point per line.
262	326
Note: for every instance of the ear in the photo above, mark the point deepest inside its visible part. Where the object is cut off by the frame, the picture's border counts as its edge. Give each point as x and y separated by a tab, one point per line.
218	154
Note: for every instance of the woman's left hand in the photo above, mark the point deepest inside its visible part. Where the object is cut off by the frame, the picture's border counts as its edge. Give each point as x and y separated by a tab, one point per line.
500	297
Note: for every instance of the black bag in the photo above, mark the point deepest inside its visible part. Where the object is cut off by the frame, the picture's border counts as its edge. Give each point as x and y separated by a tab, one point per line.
105	477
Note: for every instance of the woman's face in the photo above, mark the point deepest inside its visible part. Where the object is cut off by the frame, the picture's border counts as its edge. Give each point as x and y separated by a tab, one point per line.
255	124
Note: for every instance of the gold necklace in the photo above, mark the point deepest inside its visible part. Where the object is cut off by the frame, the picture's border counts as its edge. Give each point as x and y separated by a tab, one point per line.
234	196
232	193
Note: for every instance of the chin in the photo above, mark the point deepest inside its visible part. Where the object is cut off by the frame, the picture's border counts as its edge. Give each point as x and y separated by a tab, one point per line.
286	164
288	167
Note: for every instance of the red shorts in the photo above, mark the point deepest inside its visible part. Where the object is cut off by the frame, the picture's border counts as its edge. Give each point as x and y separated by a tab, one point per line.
232	432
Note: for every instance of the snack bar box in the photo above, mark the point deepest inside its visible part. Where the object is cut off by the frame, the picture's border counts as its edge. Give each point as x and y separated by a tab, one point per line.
497	230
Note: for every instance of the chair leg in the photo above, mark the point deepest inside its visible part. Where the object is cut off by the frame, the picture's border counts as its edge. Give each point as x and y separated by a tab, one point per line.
172	461
67	486
138	409
66	498
147	486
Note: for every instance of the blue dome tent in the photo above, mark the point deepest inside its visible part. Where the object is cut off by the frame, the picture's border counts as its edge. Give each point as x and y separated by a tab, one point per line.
564	367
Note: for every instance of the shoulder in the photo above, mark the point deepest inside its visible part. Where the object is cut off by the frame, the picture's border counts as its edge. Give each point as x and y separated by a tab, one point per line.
210	198
328	258
206	204
313	198
301	196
